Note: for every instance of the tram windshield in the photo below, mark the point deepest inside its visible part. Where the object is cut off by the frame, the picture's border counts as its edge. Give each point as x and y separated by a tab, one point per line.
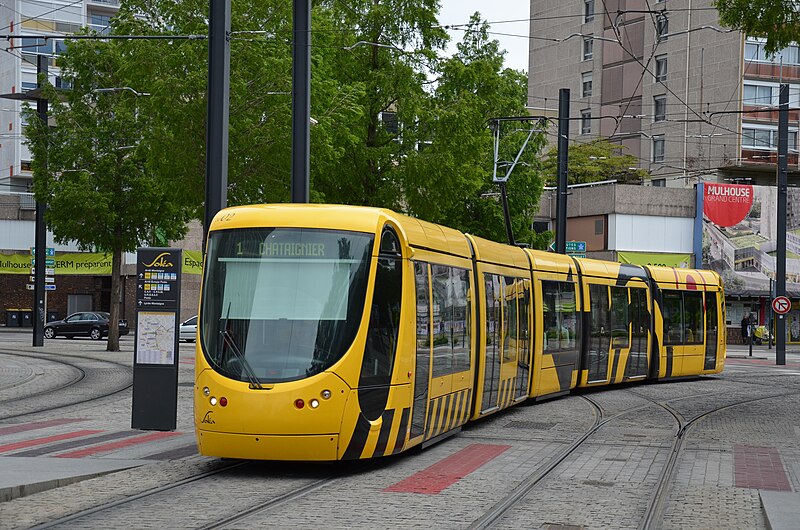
281	304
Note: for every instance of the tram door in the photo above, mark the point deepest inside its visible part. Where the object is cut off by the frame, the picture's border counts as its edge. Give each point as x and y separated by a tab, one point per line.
712	331
609	333
423	353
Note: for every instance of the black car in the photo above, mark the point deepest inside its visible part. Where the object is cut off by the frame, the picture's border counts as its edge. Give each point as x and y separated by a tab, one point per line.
92	324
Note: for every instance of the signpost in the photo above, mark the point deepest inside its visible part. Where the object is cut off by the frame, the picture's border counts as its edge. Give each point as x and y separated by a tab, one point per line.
574	248
49	274
155	357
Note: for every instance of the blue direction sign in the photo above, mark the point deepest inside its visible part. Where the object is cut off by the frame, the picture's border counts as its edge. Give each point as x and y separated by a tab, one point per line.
49	262
50	251
573	247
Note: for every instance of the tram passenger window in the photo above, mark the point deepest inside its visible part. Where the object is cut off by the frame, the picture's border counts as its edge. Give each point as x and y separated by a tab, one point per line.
442	321
384	323
619	317
693	317
560	318
423	311
712	325
462	331
673	325
599	333
509	320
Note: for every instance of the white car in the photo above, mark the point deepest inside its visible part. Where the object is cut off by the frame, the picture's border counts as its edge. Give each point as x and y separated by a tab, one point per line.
189	330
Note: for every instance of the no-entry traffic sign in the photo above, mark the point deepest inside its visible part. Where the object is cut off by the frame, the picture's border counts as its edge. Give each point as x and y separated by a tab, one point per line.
781	305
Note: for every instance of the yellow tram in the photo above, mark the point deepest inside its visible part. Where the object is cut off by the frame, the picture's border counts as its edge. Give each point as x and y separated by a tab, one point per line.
340	332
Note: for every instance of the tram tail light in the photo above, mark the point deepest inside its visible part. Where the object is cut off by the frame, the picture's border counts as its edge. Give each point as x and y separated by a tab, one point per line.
223	401
299	403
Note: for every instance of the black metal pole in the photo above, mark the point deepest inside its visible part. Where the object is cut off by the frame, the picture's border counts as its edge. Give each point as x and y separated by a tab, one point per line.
563	157
40	238
771	335
219	69
301	100
780	269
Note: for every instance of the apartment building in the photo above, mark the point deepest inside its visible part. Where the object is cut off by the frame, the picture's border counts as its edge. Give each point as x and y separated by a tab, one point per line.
691	99
28	18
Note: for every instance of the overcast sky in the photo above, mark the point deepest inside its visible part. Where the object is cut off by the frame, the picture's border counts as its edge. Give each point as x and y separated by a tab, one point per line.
459	11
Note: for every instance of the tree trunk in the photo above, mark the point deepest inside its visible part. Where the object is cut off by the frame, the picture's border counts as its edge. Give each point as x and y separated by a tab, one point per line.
113	325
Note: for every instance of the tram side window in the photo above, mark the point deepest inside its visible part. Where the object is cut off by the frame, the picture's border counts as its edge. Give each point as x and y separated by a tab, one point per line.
423	312
451	320
442	322
509	320
384	323
619	317
462	336
683	317
693	317
560	319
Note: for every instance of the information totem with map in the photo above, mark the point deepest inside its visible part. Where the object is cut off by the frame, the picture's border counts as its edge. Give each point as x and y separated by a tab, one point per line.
155	354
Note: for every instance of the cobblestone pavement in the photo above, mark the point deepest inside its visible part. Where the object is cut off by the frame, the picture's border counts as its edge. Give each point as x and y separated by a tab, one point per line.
728	458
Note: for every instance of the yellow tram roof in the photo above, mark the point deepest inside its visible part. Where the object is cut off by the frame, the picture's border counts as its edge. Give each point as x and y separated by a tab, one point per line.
611	269
498	253
551	262
417	233
667	277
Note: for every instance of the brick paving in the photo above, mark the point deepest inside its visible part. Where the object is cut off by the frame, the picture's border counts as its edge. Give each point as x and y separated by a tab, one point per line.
728	458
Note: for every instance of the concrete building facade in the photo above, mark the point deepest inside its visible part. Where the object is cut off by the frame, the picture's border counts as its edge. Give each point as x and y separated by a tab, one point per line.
691	99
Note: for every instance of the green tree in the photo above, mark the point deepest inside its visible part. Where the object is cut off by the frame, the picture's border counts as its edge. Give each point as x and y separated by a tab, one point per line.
450	181
91	169
594	161
776	20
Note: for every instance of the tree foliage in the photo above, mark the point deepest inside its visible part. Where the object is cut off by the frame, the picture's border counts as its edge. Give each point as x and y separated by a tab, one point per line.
594	161
776	20
93	168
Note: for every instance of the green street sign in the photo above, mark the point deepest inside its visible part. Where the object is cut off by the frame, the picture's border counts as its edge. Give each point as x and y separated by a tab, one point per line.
50	251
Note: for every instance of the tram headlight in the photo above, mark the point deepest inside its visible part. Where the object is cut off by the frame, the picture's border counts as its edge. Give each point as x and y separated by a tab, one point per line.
213	401
326	394
314	403
206	391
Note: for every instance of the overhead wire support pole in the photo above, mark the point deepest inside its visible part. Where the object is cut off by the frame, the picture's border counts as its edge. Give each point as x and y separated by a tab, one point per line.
301	101
780	268
219	69
40	237
563	156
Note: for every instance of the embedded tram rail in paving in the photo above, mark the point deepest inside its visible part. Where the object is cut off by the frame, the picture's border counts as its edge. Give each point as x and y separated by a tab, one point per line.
592	460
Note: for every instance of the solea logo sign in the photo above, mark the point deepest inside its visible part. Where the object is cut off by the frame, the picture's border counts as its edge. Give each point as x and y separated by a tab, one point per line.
160	261
727	204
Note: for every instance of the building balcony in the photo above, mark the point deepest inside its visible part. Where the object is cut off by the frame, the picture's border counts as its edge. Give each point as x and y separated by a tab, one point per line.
757	156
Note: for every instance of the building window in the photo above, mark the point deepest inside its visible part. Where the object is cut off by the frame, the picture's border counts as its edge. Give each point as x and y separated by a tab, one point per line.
588	46
588	10
598	227
661	68
659	183
389	121
754	51
100	23
662	27
586	121
586	84
758	95
660	108
766	139
658	148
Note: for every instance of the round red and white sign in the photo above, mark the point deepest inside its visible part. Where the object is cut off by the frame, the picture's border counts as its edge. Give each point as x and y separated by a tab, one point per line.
726	204
781	305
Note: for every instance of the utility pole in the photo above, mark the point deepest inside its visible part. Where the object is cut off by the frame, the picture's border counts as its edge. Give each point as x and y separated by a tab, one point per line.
301	100
563	156
219	81
40	239
780	269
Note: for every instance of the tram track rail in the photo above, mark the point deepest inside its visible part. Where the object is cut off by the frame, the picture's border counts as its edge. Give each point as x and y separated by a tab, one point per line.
84	374
654	515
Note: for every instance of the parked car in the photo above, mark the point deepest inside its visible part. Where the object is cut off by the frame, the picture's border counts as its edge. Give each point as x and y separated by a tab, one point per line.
92	324
189	329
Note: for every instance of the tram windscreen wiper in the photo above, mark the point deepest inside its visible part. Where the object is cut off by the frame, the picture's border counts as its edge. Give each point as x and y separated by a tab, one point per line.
229	341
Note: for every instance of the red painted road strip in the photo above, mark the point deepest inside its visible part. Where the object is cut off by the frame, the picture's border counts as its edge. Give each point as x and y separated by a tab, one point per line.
104	448
22	427
45	440
433	480
759	468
